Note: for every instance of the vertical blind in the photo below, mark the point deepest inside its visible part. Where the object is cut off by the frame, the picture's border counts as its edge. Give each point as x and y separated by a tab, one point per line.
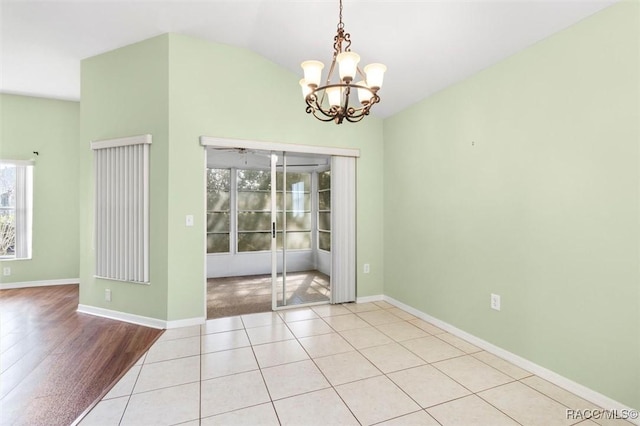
343	229
122	208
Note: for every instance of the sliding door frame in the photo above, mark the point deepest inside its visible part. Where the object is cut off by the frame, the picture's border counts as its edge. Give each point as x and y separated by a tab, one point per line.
214	142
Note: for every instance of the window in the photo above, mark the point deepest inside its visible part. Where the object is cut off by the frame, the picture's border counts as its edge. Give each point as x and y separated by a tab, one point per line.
298	214
122	208
218	210
251	211
16	193
254	210
324	210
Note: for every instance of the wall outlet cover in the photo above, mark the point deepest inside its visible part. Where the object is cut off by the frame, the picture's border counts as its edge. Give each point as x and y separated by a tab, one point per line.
495	301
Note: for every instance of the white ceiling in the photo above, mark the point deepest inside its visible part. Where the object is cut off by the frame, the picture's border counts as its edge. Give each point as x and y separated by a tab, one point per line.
426	44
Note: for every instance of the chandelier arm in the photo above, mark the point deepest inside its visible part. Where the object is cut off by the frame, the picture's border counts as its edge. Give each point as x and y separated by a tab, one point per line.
321	118
314	107
355	119
357	114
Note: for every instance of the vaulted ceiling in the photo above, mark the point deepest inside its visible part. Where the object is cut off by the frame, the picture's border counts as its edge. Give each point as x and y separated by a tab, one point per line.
426	44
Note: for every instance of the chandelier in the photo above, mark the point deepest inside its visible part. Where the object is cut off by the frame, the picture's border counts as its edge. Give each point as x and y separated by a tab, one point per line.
333	100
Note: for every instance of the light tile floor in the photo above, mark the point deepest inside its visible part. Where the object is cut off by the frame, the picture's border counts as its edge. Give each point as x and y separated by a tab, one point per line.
354	364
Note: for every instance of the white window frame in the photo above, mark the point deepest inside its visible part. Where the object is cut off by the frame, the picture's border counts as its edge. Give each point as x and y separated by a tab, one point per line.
318	230
230	211
23	210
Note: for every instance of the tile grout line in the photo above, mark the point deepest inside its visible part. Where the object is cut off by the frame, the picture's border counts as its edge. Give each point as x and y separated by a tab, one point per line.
132	388
281	317
264	381
320	370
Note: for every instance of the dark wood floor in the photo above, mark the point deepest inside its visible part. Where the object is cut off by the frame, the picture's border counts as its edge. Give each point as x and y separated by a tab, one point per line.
55	362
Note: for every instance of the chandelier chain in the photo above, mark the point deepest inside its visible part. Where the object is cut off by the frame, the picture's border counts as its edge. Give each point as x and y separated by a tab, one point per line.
341	37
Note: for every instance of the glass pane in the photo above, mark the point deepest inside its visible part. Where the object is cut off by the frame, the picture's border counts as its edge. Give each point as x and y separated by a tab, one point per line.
299	181
217	243
255	241
261	241
298	221
324	180
7	185
254	180
251	221
298	201
217	201
7	213
324	221
324	240
262	201
7	233
297	240
218	180
324	200
254	201
217	222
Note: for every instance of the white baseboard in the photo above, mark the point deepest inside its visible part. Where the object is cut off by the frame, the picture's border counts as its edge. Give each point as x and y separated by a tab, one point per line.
41	283
122	316
138	319
367	299
188	322
582	391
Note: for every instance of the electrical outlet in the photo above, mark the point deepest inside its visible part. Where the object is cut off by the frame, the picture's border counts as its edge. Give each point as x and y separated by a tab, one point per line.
367	269
6	271
107	294
495	301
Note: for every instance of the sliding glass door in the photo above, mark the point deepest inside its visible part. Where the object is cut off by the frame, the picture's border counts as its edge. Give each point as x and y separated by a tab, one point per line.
297	280
269	229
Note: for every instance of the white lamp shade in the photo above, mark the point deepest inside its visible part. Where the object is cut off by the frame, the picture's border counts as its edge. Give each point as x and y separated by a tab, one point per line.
375	75
364	96
348	65
312	72
334	94
305	88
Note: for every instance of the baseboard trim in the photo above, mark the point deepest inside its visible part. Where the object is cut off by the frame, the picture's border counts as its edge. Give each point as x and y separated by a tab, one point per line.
367	299
188	322
138	319
41	283
122	316
551	376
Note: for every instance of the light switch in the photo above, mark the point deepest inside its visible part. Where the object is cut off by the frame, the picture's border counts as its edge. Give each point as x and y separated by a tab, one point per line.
189	220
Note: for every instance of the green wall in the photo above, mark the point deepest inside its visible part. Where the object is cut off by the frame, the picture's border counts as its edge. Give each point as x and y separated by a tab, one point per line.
125	93
49	127
179	88
523	181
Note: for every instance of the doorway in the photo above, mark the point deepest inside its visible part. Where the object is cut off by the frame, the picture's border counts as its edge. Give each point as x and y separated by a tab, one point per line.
268	230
